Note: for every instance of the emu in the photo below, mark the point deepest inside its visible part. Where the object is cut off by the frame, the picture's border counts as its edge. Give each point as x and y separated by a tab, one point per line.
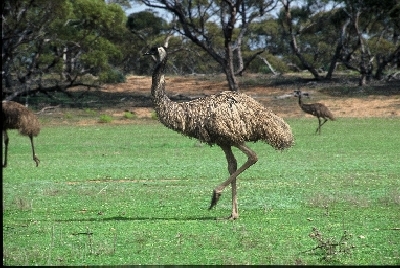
17	116
226	119
316	109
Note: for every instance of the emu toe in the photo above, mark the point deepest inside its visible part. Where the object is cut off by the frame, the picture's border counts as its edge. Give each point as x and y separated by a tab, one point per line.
37	161
214	199
233	217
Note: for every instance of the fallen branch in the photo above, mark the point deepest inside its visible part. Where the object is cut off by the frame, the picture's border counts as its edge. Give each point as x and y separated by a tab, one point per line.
269	65
48	108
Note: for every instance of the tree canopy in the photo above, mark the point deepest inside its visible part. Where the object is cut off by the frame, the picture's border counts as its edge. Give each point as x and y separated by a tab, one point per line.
55	45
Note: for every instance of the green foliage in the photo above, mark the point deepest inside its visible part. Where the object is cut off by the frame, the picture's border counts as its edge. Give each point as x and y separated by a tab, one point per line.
258	66
105	118
68	116
138	194
129	115
146	22
66	39
90	111
112	76
154	116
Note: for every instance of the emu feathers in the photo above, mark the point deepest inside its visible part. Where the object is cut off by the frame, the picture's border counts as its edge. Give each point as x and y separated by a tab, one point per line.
226	119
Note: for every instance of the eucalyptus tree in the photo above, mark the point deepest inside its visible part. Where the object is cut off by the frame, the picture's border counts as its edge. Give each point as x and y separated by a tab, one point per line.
53	45
360	34
219	27
311	29
145	26
376	27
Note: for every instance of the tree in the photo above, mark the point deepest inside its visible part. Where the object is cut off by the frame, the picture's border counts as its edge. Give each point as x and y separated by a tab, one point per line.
217	27
365	34
311	30
52	45
144	27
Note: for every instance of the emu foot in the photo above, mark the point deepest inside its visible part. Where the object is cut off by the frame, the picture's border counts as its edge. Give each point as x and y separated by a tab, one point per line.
233	217
37	161
214	199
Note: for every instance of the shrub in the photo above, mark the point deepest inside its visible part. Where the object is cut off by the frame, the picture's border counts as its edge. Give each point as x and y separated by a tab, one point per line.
129	115
104	118
154	116
90	111
112	77
331	247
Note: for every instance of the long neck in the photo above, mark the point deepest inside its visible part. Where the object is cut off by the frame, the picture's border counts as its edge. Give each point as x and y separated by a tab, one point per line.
167	110
158	81
300	101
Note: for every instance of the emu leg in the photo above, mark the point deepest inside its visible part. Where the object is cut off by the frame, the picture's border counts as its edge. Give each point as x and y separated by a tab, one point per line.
324	122
5	137
252	159
37	161
232	167
319	127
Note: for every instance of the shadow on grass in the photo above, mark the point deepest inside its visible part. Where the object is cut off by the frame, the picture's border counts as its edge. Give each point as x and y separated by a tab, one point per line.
121	218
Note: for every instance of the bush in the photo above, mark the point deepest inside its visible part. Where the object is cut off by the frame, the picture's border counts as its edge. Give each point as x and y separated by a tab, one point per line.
129	115
154	116
112	77
104	118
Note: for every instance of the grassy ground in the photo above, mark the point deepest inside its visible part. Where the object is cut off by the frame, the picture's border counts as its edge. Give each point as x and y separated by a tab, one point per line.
138	194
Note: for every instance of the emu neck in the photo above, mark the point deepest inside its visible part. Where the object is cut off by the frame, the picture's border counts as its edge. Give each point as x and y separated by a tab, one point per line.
158	82
300	101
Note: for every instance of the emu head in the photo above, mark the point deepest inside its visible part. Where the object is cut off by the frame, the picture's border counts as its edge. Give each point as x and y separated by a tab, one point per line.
158	53
298	93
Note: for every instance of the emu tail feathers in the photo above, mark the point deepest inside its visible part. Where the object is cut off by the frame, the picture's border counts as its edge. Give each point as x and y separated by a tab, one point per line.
277	132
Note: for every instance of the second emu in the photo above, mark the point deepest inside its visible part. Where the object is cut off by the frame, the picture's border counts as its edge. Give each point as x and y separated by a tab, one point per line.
17	116
226	119
316	109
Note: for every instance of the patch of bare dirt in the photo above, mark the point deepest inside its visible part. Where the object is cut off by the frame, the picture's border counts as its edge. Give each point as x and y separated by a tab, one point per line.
134	95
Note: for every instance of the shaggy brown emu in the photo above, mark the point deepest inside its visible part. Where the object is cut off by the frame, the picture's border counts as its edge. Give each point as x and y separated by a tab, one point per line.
316	109
226	119
17	116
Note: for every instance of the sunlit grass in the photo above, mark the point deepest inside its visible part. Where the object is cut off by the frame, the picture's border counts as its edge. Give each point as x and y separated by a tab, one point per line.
139	193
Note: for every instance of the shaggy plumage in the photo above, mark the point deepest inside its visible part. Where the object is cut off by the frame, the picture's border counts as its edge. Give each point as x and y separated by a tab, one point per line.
316	109
17	116
226	119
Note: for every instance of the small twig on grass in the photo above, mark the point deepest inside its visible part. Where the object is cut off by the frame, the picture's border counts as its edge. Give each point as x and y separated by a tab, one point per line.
102	189
329	246
48	108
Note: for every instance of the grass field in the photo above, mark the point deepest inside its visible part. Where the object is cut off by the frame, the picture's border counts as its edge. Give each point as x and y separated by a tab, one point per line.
138	194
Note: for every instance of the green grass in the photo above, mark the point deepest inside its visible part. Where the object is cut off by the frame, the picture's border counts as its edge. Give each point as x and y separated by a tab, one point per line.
139	193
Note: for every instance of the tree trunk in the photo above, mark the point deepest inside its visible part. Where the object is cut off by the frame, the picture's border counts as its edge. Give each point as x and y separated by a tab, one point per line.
229	68
339	49
383	61
293	42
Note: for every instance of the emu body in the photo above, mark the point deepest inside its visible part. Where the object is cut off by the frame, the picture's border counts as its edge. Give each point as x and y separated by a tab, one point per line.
226	119
316	109
17	116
